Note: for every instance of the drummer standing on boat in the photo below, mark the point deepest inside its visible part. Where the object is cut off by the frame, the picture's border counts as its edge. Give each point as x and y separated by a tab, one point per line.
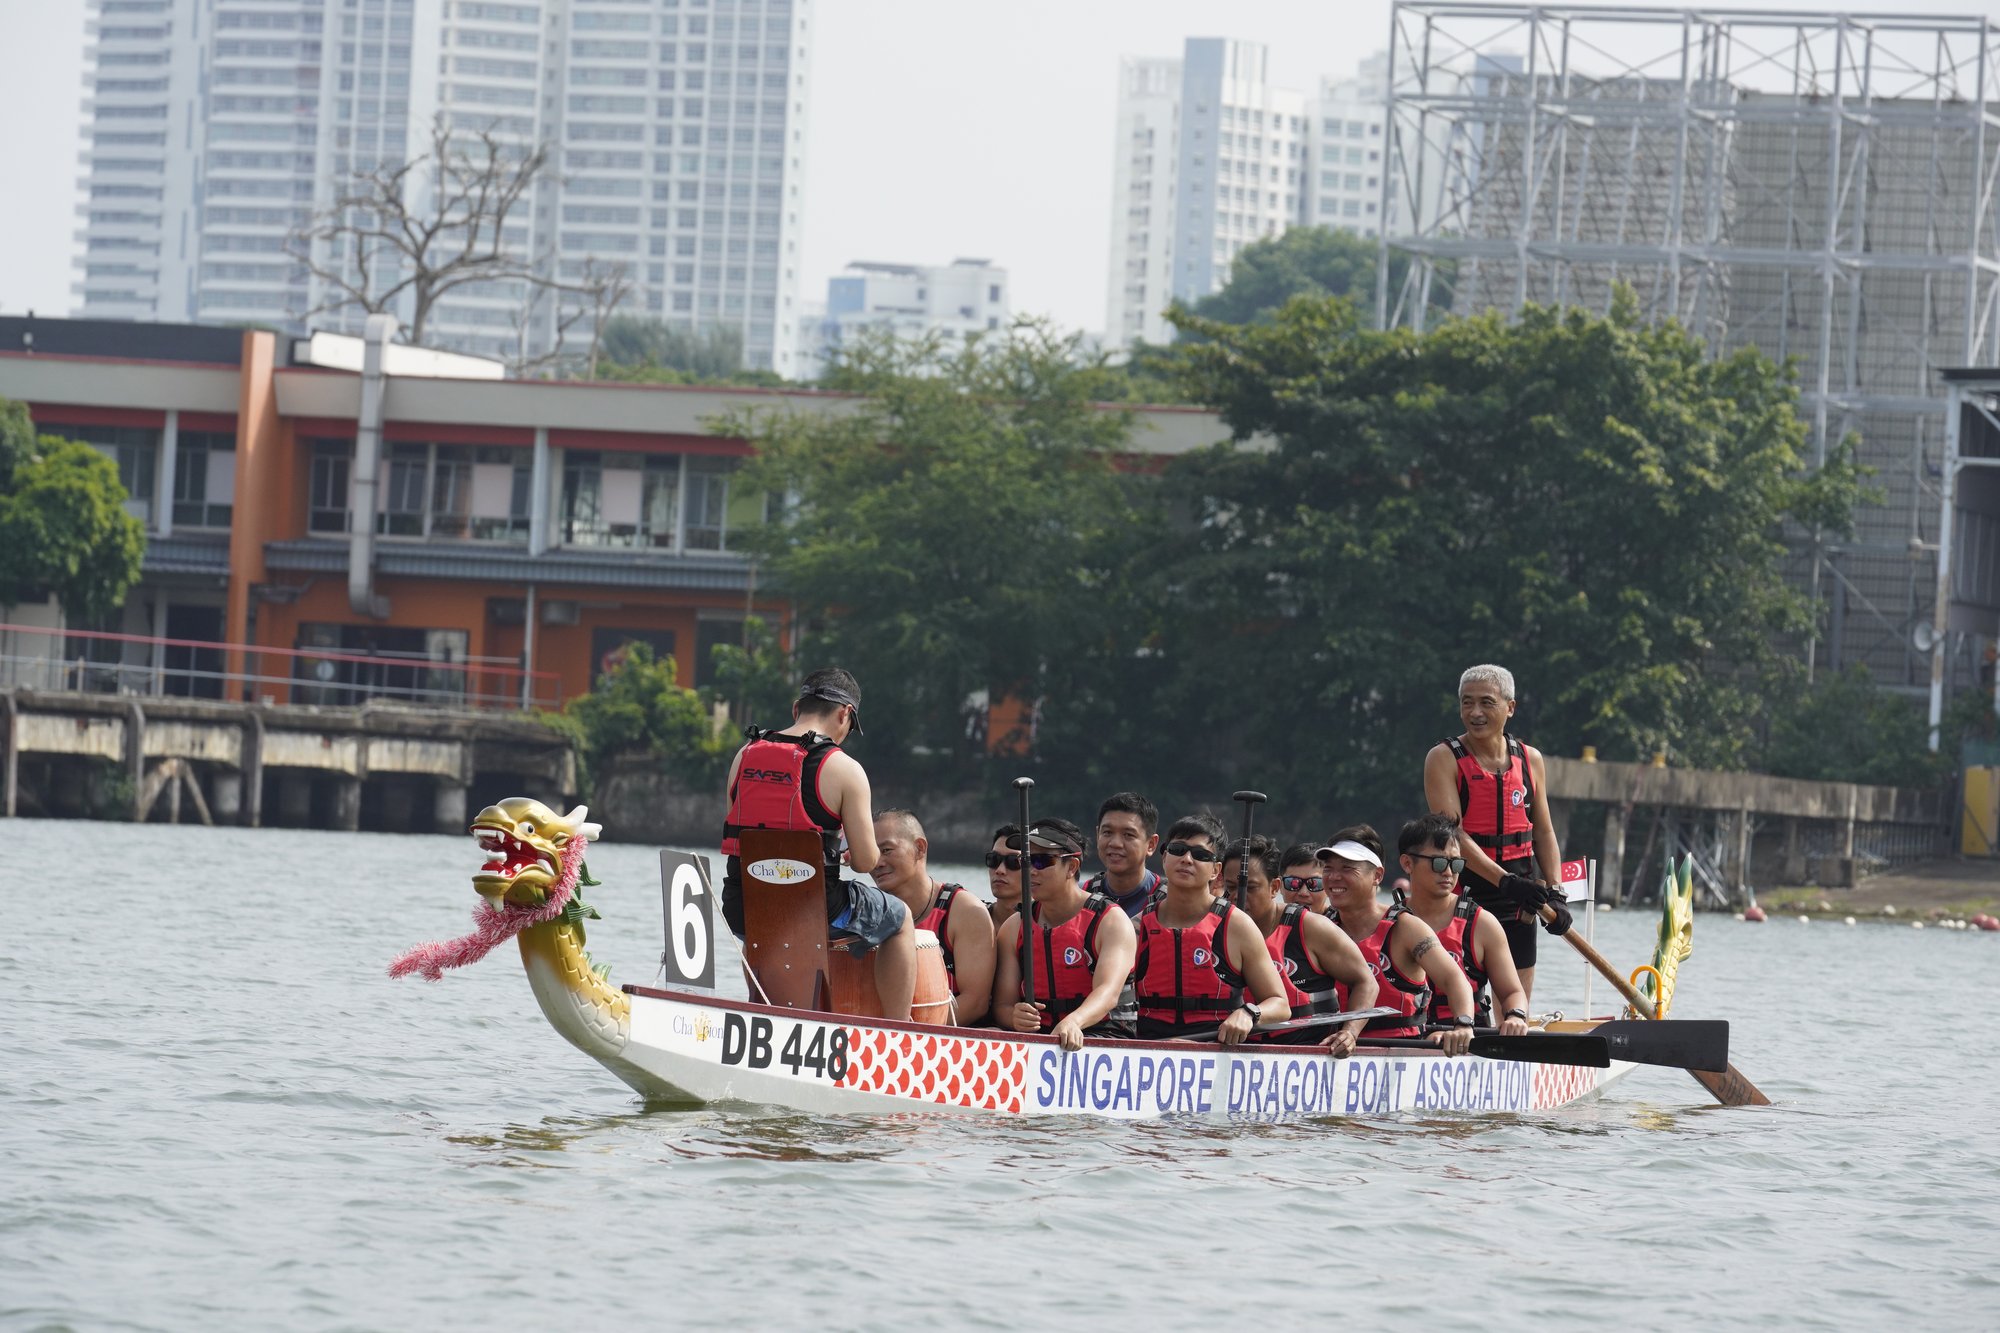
949	911
1497	789
800	778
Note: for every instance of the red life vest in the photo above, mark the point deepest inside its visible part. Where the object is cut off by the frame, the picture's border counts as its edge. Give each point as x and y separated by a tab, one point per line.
1307	989
936	922
1183	979
1458	940
1066	967
777	787
1392	988
1496	810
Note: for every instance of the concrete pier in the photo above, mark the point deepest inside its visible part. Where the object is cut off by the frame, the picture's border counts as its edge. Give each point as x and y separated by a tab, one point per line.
233	750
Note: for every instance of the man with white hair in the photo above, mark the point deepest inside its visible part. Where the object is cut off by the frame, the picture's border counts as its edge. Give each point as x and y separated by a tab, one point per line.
1497	790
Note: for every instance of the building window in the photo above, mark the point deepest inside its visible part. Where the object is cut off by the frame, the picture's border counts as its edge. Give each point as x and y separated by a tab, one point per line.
328	500
678	502
204	479
135	449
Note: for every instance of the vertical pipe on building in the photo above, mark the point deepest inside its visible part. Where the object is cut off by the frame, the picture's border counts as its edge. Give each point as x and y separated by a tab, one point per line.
538	494
1941	607
163	480
361	595
528	650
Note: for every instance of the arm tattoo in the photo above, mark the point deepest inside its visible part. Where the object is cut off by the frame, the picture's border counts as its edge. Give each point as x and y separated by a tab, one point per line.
1422	947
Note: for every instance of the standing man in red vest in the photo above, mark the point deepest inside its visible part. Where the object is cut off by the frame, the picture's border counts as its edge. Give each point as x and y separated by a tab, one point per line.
800	778
1497	790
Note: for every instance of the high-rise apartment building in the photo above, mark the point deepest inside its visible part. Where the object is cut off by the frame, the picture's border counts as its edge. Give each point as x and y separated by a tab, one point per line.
1209	156
220	128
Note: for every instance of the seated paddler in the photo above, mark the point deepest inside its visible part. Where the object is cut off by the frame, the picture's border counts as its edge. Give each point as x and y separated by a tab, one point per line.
1433	857
798	777
1078	944
1409	962
1319	965
1202	964
950	911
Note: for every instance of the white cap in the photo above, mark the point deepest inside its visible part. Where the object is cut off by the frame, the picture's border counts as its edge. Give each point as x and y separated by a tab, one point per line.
1349	850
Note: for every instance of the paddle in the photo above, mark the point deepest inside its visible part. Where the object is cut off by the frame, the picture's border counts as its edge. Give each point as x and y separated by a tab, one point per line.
1251	800
1691	1045
1027	898
1297	1024
1728	1087
1552	1050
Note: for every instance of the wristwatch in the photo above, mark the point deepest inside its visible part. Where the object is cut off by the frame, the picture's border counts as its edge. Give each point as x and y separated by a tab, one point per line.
1521	1014
1256	1014
1465	1021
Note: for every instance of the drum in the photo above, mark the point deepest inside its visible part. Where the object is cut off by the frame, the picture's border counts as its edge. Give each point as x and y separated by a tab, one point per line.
932	1002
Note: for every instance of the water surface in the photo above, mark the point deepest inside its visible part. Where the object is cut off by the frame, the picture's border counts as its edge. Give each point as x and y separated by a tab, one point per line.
217	1112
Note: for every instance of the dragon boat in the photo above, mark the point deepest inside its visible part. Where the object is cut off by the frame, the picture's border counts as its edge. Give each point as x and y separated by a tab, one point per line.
815	1042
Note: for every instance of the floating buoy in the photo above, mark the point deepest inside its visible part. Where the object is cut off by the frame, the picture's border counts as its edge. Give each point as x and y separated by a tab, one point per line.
1753	913
1990	923
1916	925
1850	920
1803	918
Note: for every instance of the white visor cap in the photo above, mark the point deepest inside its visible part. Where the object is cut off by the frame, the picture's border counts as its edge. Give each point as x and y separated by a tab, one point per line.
1349	850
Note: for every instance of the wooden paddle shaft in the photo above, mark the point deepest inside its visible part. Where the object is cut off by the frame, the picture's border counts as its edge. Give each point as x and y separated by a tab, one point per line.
1731	1088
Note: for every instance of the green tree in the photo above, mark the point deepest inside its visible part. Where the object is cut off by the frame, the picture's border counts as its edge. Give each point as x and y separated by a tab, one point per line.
1598	504
647	351
63	525
1303	261
756	678
1845	728
639	707
945	537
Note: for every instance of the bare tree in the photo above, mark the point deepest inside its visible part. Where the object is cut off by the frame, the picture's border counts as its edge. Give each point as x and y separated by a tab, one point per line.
588	301
421	229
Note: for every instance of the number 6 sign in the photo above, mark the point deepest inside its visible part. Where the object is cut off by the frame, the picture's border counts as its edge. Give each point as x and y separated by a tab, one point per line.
689	898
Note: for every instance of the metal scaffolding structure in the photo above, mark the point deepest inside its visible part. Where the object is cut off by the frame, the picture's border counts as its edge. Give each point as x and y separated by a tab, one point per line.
1817	185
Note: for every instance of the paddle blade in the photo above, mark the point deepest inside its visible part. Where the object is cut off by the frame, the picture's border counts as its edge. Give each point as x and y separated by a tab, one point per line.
1679	1042
1587	1050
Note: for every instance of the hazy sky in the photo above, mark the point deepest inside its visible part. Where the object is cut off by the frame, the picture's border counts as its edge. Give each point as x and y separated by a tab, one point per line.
937	128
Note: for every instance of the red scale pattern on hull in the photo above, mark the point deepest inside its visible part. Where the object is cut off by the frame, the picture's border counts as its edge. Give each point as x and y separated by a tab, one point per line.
949	1071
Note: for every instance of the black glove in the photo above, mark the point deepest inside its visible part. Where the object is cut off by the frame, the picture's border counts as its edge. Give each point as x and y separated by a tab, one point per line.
1522	892
1562	921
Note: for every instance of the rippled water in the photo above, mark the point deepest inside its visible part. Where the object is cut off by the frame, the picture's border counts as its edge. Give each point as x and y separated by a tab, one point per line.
217	1112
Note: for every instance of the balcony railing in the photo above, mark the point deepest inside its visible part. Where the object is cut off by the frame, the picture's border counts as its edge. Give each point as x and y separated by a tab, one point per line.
199	669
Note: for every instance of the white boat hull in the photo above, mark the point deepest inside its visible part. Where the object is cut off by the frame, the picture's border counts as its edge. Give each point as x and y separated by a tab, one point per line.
689	1047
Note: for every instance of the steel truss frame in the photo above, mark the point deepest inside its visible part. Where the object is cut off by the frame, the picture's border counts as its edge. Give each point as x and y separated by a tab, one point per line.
1819	185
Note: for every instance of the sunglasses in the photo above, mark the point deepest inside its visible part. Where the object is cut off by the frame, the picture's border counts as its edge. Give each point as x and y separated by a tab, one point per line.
1206	855
1036	860
1301	883
1441	864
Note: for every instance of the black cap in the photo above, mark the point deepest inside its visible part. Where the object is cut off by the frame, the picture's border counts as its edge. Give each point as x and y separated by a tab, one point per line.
833	694
1054	838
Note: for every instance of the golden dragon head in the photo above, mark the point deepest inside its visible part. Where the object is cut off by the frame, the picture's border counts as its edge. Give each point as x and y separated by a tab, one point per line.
524	841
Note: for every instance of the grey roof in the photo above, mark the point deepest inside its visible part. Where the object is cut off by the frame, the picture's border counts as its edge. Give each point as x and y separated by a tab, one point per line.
191	553
513	564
